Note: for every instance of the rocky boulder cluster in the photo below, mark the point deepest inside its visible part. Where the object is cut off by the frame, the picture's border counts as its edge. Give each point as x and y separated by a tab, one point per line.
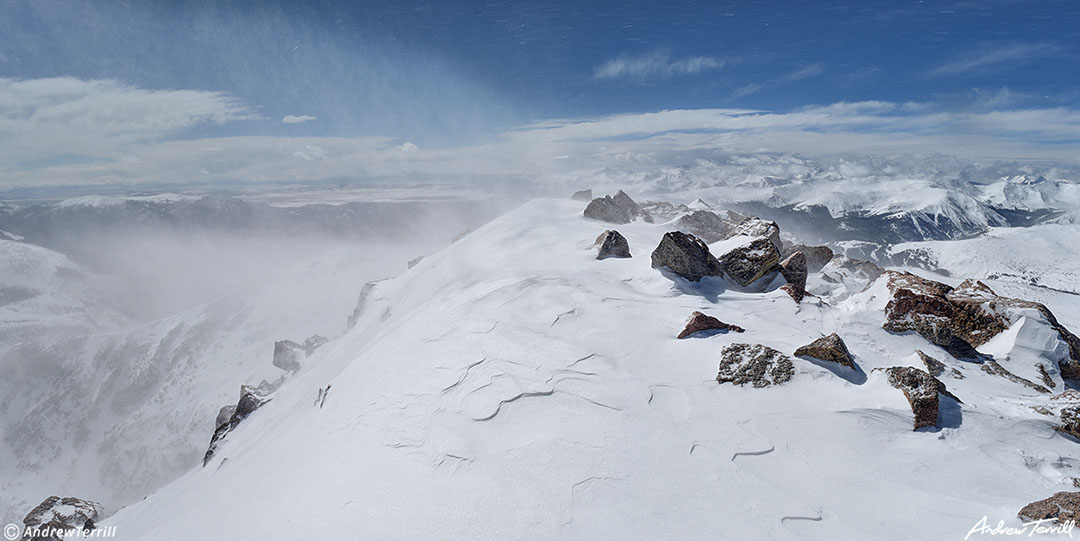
617	209
57	514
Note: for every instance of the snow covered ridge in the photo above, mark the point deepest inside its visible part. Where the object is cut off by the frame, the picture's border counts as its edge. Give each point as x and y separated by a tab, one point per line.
515	385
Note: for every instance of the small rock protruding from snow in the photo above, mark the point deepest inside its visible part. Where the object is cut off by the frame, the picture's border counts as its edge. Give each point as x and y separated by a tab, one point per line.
752	261
287	354
758	365
582	195
828	348
361	304
686	256
612	244
1062	507
816	256
937	368
698	322
604	209
921	390
251	399
631	207
995	369
56	513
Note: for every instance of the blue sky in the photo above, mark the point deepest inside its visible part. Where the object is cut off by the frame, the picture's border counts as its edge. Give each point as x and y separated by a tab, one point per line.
444	74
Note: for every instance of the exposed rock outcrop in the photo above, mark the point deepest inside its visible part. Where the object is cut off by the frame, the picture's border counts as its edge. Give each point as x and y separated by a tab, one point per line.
937	368
582	195
686	256
1070	421
828	348
704	224
288	354
612	244
921	305
57	514
604	209
251	399
921	390
698	322
816	256
750	262
631	207
995	369
794	270
754	364
1061	507
757	227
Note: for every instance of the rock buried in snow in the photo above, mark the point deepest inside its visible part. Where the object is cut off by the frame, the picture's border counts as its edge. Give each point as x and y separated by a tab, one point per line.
755	364
936	368
1061	507
686	256
698	322
582	195
612	244
751	261
250	400
995	369
605	210
828	348
756	227
921	390
56	513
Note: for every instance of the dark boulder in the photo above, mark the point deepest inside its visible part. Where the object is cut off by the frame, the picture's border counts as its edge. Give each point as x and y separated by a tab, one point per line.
704	224
57	514
1070	421
828	348
250	400
816	256
750	262
686	256
937	368
1062	507
604	209
612	244
794	270
921	390
758	365
698	322
631	207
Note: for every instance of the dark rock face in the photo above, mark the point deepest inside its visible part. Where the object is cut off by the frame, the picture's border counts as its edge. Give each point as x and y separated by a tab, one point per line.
816	256
686	256
936	368
995	369
1061	507
612	244
752	261
755	364
631	207
288	354
794	270
583	195
605	210
1070	421
704	224
920	305
56	513
756	227
698	322
921	390
828	348
224	414
250	400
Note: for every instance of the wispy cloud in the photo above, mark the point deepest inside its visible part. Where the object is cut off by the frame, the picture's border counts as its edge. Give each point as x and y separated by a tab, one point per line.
988	58
746	90
296	119
658	64
807	72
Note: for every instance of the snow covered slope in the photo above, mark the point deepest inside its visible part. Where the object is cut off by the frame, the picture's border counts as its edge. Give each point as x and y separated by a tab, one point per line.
512	386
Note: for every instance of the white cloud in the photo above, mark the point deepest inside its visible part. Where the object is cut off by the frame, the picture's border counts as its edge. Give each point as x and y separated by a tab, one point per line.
296	119
655	65
746	90
988	58
807	72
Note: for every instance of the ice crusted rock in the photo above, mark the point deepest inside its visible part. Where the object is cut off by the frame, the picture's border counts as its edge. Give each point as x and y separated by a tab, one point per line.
755	364
698	322
612	244
251	399
1070	421
756	227
604	209
705	225
828	348
582	195
921	390
816	256
750	262
1061	507
686	256
56	513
